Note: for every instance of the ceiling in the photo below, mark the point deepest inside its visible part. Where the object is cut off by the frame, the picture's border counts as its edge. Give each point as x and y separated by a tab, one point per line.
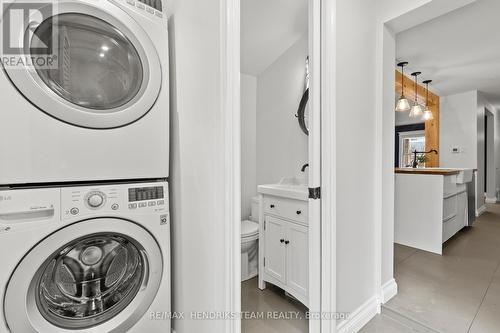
268	29
460	51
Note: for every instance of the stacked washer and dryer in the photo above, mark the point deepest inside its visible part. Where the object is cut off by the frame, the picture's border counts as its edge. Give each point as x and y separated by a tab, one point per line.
84	155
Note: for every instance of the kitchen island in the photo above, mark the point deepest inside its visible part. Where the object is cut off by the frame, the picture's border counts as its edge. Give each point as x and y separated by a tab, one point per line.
431	205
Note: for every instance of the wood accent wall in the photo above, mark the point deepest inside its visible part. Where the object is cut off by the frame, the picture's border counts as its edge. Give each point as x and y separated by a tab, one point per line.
431	126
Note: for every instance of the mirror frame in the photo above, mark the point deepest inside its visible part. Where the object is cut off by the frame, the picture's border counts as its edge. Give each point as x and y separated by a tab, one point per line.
301	112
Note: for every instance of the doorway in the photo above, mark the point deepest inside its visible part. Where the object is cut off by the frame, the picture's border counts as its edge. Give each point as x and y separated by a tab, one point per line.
490	188
280	165
461	114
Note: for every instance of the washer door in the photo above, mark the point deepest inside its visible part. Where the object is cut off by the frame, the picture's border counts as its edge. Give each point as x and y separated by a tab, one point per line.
102	281
106	72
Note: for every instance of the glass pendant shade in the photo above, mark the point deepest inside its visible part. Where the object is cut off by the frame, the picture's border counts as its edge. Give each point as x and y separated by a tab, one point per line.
428	114
403	105
416	111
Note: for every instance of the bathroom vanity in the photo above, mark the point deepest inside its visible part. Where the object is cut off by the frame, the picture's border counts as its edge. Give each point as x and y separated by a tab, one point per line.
284	238
431	205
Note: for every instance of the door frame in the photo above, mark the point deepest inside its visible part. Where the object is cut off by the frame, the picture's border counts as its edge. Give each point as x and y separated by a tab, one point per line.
322	231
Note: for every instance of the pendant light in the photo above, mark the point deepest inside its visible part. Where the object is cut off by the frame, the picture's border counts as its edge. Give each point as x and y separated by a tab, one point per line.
428	112
403	104
416	110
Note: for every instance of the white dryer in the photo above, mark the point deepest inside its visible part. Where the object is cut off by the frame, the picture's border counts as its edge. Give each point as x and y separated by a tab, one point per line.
85	259
100	109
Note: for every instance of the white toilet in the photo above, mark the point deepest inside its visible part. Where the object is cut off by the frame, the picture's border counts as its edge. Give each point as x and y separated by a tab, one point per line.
250	243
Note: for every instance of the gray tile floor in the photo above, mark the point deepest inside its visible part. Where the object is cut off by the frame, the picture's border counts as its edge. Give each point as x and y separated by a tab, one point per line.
458	292
268	301
385	324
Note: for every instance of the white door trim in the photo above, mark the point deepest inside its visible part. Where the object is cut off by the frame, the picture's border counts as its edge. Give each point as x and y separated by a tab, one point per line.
326	15
231	137
314	147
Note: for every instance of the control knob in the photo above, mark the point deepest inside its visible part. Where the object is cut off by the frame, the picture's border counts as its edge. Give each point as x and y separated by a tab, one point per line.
95	199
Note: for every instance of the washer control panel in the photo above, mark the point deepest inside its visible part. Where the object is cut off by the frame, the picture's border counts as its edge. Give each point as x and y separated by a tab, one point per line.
138	198
95	199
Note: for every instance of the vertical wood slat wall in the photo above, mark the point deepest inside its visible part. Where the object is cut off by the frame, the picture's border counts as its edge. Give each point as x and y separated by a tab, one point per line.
431	126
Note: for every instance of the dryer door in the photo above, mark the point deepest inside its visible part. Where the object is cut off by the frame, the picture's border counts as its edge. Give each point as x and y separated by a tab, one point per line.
89	66
98	275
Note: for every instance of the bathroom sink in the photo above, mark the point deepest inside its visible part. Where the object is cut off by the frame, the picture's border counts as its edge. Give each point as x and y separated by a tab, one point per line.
292	188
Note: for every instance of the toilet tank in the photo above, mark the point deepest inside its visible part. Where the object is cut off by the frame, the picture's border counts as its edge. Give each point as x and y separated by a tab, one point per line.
255	209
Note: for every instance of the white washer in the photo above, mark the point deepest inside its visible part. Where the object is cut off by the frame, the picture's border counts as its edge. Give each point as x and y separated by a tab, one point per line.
85	259
102	111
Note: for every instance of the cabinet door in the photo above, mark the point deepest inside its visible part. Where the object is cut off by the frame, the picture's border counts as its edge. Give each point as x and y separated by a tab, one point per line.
275	251
297	259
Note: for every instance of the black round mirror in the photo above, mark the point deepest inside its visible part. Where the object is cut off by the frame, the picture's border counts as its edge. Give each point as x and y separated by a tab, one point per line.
303	114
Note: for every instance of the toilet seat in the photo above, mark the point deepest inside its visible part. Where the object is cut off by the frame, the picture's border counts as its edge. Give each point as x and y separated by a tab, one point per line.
249	230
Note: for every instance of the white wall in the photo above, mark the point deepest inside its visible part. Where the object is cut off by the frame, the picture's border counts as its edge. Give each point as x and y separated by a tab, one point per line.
458	128
462	125
248	142
355	133
281	145
197	164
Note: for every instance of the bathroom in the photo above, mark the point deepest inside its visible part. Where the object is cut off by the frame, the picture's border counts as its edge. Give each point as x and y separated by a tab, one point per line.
274	149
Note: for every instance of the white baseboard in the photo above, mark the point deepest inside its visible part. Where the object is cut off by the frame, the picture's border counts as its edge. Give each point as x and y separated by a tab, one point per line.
389	290
360	317
491	200
481	210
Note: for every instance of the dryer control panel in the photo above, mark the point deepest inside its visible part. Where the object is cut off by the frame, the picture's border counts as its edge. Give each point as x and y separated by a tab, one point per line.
130	198
151	7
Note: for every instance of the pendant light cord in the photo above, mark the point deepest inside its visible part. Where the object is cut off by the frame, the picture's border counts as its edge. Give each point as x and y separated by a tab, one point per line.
427	95
402	81
416	91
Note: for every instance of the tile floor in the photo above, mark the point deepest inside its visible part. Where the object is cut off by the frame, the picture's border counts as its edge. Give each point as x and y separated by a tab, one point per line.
458	292
270	300
385	324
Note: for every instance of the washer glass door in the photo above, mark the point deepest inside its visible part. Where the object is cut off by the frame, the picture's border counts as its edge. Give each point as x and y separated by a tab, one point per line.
89	281
78	280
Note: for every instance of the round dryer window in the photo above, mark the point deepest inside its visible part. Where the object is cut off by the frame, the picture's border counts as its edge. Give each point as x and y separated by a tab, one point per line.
100	68
104	279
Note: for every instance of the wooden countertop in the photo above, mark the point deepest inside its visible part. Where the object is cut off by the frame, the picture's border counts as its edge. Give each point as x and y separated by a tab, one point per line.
430	171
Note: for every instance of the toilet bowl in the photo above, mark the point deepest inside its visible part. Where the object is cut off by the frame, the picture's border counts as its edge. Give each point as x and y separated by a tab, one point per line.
250	243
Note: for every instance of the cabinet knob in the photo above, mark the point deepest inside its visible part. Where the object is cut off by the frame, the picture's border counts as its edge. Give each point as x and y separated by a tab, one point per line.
282	240
287	242
272	206
299	212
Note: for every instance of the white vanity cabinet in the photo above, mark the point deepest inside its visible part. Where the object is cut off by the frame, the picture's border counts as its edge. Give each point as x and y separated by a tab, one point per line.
283	245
